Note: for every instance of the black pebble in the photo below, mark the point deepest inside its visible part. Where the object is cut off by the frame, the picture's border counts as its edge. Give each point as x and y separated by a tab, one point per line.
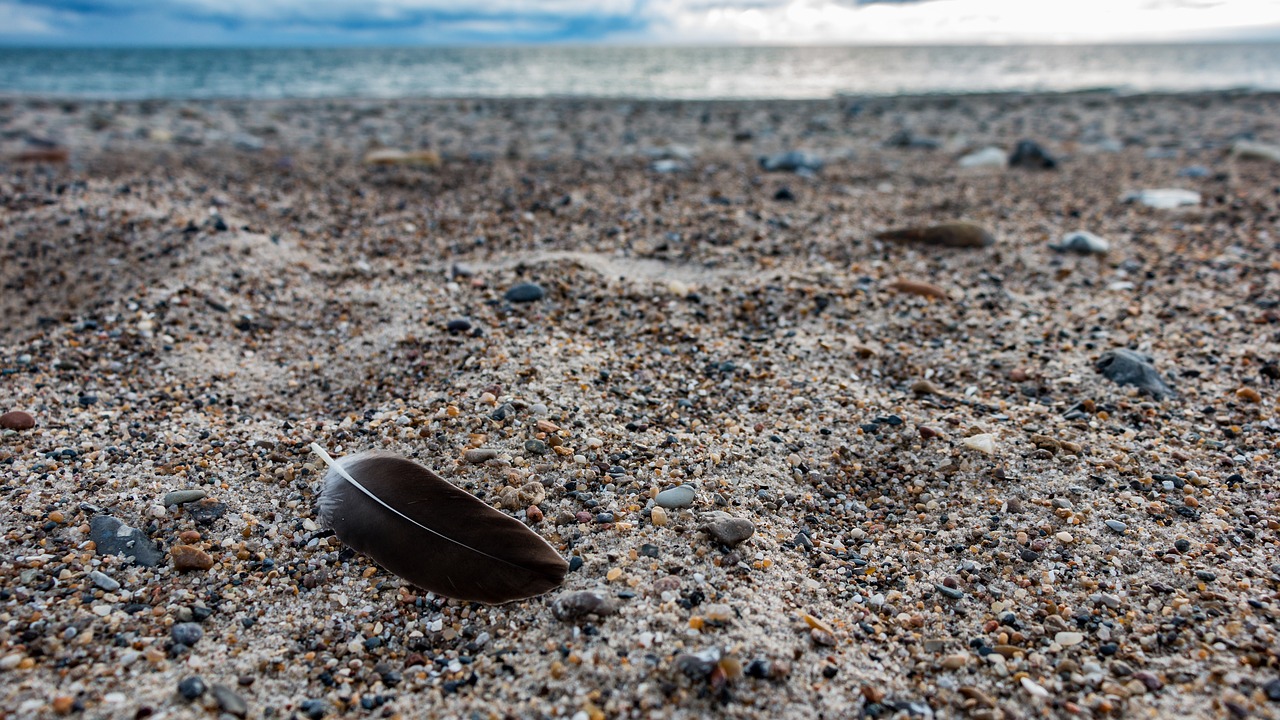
784	194
1029	154
460	325
575	563
525	292
315	709
192	687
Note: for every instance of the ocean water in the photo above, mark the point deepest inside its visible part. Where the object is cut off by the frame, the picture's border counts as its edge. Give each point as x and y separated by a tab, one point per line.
641	72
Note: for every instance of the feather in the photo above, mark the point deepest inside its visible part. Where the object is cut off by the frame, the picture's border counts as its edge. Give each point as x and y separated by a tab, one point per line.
441	538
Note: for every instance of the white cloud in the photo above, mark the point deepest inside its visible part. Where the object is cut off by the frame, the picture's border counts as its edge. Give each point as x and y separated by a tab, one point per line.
18	19
955	21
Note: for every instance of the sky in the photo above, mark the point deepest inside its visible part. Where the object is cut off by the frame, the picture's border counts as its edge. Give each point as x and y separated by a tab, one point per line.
206	23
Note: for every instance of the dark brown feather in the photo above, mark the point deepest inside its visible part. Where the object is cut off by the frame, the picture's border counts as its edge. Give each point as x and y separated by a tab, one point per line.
437	536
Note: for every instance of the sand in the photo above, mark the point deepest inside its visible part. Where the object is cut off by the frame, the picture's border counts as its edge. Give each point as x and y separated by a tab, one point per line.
955	514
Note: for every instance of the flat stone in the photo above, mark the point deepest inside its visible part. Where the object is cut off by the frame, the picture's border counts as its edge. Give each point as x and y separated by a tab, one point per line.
230	702
17	420
730	531
1126	367
189	557
572	606
104	581
795	161
1030	155
1068	638
950	592
182	497
916	287
1084	243
986	157
956	235
1118	526
984	443
207	511
477	456
113	537
676	497
525	293
1164	198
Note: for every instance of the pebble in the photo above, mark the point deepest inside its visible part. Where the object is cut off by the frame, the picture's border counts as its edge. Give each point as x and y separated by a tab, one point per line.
1068	638
956	661
924	387
458	325
477	456
953	593
659	516
17	420
676	497
192	687
1126	367
1163	198
698	666
525	293
956	235
182	497
1030	155
390	156
229	701
113	537
1272	689
1117	526
730	531
986	157
1083	242
1034	688
206	512
189	557
186	633
984	443
1065	538
572	606
795	161
104	581
915	287
1250	150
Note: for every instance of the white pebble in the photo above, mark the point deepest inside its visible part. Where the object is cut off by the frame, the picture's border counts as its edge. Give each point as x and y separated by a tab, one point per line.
984	443
1035	689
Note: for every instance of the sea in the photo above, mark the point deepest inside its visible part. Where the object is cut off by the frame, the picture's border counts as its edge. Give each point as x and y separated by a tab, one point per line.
634	72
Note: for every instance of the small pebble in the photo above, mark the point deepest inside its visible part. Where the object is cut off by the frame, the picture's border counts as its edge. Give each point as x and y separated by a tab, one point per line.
186	633
477	456
676	497
659	516
1117	526
17	420
984	443
104	581
525	293
1068	638
192	687
730	531
572	606
956	661
229	701
182	497
189	557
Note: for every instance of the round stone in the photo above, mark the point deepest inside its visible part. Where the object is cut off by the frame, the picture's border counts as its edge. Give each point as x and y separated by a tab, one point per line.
1117	526
676	497
187	633
17	420
525	293
191	687
1067	639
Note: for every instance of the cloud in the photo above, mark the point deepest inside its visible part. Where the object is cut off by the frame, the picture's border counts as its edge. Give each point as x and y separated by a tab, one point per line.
645	21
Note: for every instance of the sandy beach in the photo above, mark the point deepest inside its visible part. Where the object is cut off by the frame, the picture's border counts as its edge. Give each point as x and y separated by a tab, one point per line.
955	512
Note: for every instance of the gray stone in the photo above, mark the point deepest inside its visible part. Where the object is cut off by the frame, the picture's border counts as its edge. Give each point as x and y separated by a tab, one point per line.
525	293
112	537
728	530
676	497
186	633
950	592
1126	367
229	702
795	161
576	605
182	497
104	581
477	456
1084	243
1117	526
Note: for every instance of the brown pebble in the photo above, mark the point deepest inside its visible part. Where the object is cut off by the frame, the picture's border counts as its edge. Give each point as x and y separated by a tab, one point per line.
54	155
915	287
924	387
929	433
57	516
533	514
190	557
1249	395
17	420
63	704
956	234
1019	375
189	537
